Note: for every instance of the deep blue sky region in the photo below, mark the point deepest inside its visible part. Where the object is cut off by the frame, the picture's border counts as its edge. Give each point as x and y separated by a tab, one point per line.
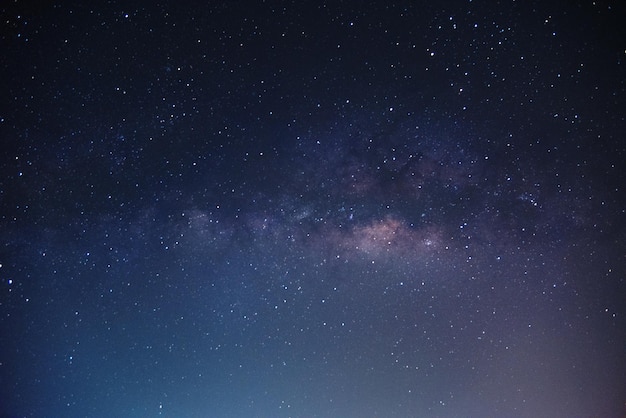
313	209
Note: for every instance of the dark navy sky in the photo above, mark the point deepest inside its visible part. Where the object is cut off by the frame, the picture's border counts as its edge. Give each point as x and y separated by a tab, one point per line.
299	209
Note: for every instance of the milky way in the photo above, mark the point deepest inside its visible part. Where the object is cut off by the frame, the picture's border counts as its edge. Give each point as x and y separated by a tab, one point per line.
265	209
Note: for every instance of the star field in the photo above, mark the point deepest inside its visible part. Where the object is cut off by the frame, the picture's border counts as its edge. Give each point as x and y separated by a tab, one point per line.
283	209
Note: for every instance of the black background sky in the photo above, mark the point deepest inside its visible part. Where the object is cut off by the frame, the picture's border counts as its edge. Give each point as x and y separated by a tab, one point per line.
309	209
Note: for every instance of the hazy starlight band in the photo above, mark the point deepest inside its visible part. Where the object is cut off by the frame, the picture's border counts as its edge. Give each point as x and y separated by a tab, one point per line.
312	209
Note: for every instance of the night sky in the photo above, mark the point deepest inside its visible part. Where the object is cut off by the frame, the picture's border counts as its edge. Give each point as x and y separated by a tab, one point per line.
313	209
